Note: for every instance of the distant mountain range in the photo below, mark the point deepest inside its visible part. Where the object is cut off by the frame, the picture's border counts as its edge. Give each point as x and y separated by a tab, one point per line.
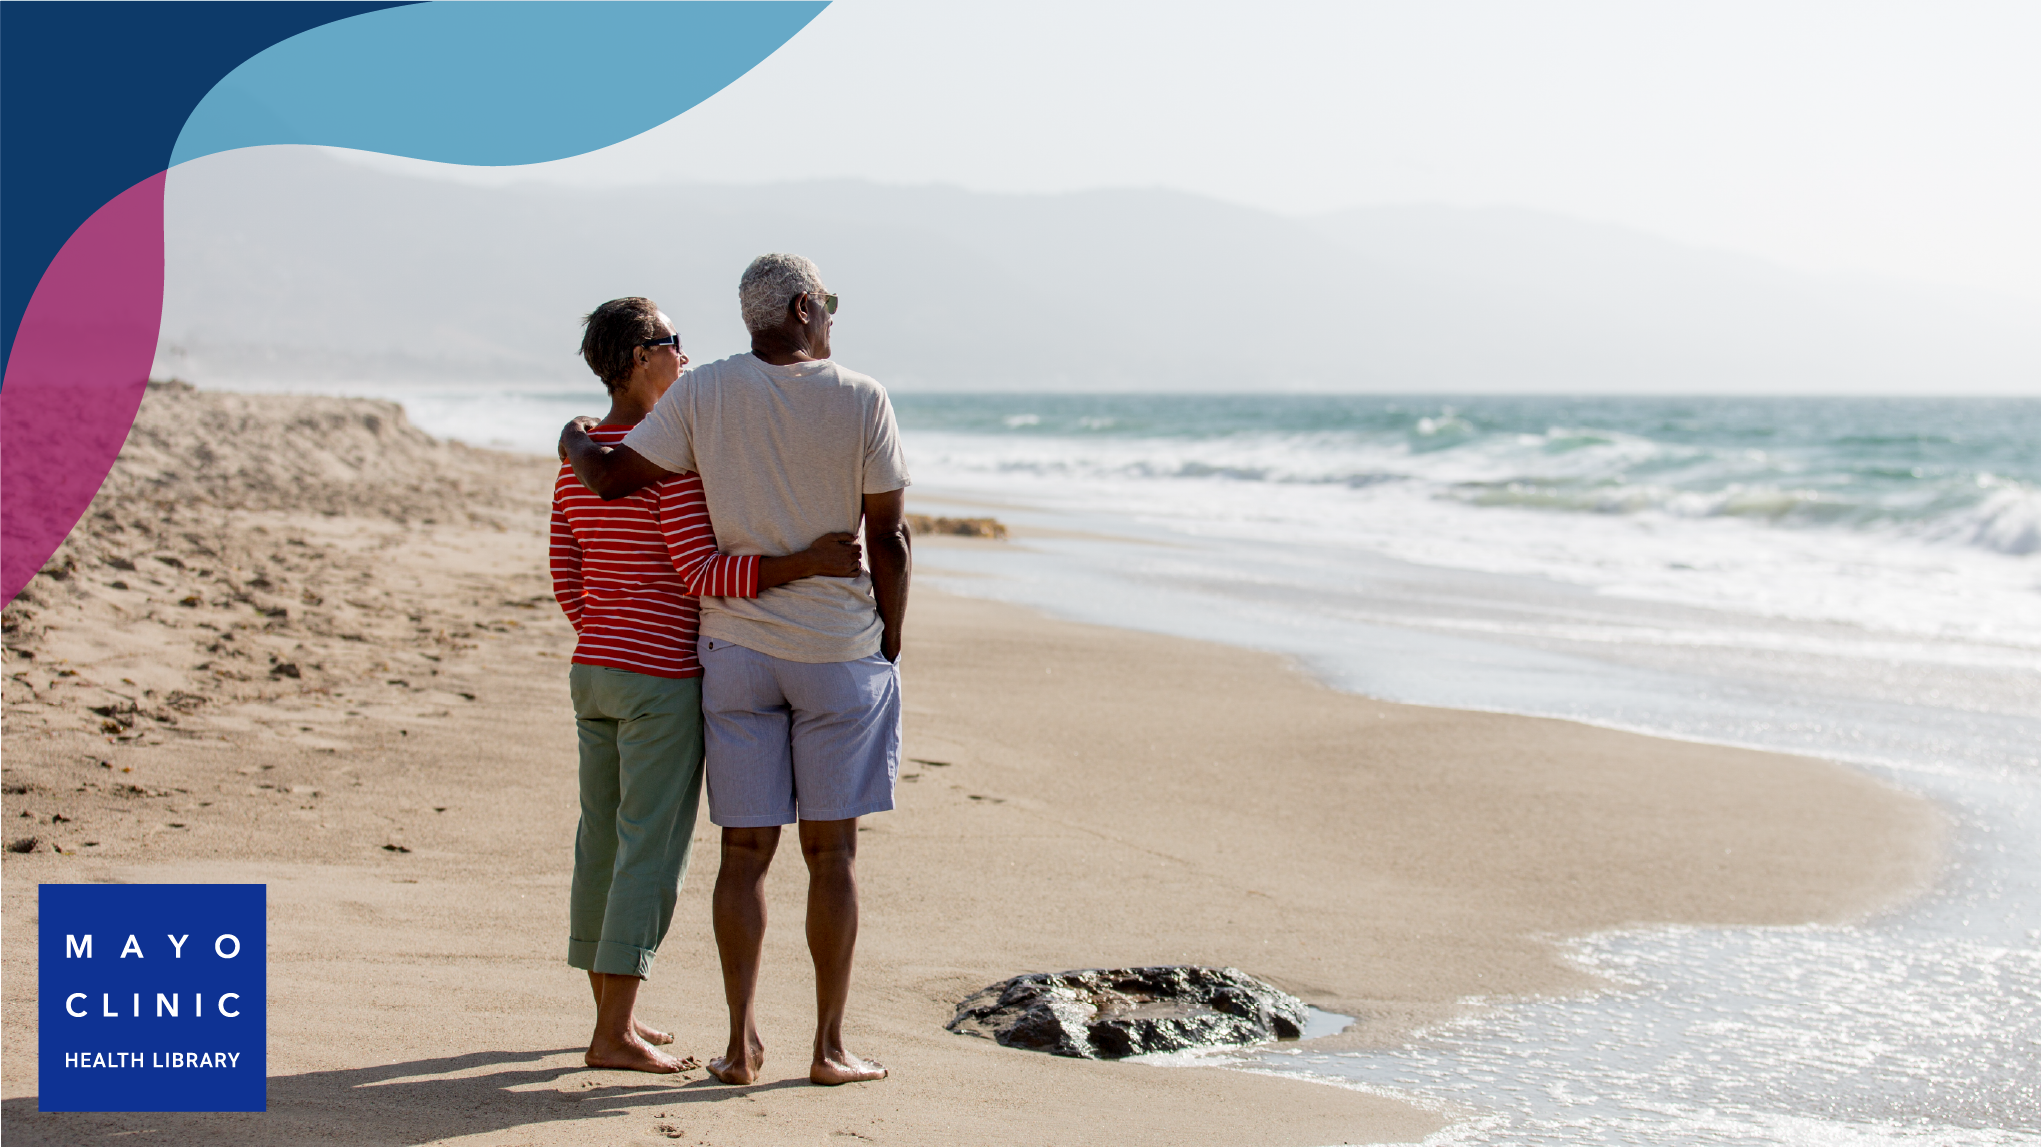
288	266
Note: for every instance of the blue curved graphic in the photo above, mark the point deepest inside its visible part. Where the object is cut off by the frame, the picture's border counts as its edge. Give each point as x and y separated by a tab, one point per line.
490	82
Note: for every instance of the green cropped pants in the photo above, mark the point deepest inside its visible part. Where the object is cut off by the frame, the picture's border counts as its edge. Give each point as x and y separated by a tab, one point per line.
641	785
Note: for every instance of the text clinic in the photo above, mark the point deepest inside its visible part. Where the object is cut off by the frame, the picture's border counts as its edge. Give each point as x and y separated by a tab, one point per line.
226	946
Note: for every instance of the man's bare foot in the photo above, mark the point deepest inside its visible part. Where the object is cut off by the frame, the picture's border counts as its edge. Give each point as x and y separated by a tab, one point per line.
739	1069
629	1054
650	1035
843	1067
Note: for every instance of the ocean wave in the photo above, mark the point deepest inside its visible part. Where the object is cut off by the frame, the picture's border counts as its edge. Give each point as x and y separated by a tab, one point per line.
1563	469
2008	521
1738	528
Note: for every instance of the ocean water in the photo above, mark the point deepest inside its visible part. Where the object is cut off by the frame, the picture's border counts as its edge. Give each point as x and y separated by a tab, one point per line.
1854	579
1858	579
1911	515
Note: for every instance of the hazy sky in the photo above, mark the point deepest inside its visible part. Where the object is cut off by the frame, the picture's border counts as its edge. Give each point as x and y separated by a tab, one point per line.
1903	140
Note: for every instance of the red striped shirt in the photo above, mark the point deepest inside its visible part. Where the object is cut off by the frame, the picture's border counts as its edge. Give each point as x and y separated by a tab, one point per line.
628	572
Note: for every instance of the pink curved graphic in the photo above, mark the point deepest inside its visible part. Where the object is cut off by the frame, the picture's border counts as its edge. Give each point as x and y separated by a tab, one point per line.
76	376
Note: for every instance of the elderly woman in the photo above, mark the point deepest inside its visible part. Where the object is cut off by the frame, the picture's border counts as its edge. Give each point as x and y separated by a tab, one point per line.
627	573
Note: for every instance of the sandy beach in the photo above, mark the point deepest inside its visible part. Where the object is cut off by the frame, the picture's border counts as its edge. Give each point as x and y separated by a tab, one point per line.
298	642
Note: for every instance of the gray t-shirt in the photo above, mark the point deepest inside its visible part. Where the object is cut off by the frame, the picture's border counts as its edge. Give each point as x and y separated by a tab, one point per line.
786	454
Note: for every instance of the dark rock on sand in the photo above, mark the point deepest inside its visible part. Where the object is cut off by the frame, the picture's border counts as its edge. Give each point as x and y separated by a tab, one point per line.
1108	1013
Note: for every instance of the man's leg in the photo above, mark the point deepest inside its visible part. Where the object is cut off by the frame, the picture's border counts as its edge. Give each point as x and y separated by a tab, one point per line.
830	847
740	941
846	735
751	795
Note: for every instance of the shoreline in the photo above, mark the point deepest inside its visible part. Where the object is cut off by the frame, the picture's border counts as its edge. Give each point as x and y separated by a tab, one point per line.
1020	535
1103	797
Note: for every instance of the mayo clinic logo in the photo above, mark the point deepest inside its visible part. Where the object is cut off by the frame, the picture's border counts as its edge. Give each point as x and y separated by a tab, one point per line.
153	997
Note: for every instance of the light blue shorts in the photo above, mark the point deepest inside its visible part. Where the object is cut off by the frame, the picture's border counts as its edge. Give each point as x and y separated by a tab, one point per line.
790	741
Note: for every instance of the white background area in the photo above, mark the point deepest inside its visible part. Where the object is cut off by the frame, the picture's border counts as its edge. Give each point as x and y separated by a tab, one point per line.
1896	140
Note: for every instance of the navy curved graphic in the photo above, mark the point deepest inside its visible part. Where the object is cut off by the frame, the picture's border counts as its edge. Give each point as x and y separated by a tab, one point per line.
92	98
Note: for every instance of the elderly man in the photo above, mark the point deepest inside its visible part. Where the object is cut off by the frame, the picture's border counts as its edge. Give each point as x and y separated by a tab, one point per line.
801	694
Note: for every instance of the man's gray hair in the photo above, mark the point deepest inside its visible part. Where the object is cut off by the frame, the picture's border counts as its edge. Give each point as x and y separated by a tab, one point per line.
770	284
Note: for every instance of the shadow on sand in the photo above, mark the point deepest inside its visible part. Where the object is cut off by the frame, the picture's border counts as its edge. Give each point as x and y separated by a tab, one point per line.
392	1104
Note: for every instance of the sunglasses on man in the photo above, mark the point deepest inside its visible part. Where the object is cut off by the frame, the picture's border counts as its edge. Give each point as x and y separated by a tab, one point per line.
829	303
670	340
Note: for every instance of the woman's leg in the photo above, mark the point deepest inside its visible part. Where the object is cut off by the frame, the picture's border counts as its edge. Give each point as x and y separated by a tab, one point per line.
659	768
595	840
659	754
602	705
645	1031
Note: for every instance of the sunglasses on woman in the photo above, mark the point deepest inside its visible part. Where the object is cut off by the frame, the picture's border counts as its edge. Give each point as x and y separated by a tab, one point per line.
670	340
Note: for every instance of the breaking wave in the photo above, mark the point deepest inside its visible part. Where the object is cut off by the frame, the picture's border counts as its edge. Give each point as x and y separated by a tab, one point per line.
1917	515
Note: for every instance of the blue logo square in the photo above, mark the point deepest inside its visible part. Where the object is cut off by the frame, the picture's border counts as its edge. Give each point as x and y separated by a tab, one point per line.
153	997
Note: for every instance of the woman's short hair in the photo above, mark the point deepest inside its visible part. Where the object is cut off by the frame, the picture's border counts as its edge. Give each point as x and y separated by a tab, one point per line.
769	286
610	336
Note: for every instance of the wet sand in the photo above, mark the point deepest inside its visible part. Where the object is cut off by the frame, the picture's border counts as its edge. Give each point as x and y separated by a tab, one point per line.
349	683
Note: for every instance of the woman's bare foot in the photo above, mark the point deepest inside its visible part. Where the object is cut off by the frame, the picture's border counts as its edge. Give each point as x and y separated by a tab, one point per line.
650	1035
843	1067
740	1069
629	1054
